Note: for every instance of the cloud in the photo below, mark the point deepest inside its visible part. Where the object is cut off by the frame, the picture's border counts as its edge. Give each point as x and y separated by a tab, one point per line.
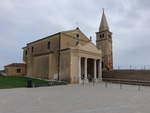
23	21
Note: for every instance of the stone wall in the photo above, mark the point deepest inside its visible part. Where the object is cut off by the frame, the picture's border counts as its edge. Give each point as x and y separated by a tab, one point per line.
41	66
65	65
127	75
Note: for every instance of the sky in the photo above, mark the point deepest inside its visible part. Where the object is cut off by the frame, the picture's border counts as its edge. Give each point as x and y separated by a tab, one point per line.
24	21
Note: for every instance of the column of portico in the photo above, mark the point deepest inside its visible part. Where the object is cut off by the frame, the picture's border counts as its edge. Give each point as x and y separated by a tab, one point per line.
79	69
85	70
95	70
100	70
95	78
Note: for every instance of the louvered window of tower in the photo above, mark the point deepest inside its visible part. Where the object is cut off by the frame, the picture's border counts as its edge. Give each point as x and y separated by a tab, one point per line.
103	35
26	52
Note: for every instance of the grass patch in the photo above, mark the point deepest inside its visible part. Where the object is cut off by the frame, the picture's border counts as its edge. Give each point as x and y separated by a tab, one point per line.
17	82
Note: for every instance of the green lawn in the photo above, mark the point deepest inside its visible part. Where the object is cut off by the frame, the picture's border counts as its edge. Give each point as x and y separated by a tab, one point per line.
17	82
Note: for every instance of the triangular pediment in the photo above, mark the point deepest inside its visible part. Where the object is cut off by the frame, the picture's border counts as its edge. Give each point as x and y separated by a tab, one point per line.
89	47
74	32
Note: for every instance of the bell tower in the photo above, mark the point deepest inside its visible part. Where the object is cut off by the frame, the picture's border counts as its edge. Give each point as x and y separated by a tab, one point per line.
104	42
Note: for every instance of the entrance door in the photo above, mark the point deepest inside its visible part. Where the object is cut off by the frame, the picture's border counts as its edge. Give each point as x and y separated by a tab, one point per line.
90	69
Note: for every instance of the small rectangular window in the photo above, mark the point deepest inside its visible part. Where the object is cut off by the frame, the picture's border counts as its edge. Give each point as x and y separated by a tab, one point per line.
49	45
32	50
18	70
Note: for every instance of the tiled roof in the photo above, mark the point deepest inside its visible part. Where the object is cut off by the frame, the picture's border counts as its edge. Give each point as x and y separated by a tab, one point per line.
16	65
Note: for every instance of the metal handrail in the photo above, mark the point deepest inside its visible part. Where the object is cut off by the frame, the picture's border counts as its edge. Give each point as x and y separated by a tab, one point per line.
127	80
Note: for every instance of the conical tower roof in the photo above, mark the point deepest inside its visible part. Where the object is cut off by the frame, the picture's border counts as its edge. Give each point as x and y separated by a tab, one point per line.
103	25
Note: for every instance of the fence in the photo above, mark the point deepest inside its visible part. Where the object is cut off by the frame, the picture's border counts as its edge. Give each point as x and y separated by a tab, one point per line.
121	83
133	67
31	84
128	81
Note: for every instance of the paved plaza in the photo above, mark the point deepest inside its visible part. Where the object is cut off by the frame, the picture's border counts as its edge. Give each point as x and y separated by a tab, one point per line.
100	98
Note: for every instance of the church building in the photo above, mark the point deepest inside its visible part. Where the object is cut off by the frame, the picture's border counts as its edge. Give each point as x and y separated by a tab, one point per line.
70	55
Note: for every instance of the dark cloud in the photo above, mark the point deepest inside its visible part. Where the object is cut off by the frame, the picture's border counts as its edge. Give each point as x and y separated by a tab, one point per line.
23	21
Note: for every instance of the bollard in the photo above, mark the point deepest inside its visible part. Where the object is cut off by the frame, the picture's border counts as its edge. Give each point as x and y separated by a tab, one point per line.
93	82
29	84
83	82
120	86
105	84
139	87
